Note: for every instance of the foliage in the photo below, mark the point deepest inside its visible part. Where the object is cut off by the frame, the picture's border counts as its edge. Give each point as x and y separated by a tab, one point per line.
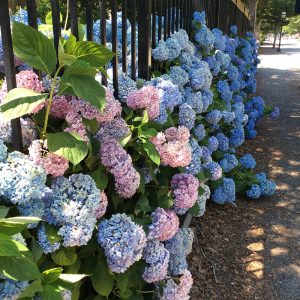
293	27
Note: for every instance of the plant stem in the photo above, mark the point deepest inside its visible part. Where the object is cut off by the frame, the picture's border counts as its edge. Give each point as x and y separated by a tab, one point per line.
44	132
67	15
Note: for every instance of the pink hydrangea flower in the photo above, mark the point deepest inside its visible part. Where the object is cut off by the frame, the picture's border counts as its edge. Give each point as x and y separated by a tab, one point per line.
119	163
165	224
178	291
173	146
100	212
185	190
148	98
54	165
76	125
60	107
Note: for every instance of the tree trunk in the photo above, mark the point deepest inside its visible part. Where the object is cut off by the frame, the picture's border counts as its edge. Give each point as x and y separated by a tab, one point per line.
275	37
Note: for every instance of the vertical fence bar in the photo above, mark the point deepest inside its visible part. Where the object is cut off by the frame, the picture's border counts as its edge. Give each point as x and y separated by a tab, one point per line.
177	15
144	51
159	29
181	13
89	20
153	45
186	14
9	69
124	36
173	15
133	39
169	17
32	13
165	13
217	14
114	46
235	11
103	31
73	18
56	22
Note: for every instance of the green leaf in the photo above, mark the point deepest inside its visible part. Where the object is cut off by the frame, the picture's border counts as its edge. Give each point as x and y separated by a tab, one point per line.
143	205
152	152
150	132
101	179
19	268
80	67
19	102
63	57
145	118
8	247
33	48
51	233
51	275
70	44
4	211
69	145
102	280
16	224
95	54
72	278
85	88
125	140
31	289
51	293
195	210
165	200
48	18
64	256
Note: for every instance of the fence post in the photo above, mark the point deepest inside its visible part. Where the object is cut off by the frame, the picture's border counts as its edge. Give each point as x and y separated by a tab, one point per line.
133	39
103	31
56	22
115	61
32	14
144	34
124	36
89	20
9	64
73	18
217	17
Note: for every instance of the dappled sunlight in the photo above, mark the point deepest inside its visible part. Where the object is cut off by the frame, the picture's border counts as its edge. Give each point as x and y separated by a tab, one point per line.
259	246
255	232
278	251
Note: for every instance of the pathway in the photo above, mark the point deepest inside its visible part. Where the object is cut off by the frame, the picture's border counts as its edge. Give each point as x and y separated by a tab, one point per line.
253	251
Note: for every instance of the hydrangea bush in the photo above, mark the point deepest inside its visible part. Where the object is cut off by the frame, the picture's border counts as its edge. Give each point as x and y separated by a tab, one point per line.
91	208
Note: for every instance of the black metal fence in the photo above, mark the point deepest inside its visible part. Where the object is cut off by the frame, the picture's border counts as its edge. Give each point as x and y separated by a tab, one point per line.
151	21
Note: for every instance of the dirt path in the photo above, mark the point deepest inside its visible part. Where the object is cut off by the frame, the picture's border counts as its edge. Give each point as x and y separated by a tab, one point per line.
255	248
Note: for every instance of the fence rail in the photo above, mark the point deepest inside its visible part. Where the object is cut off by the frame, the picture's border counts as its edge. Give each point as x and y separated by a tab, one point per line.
150	20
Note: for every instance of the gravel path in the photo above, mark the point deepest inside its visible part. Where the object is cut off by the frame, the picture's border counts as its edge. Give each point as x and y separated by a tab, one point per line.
253	251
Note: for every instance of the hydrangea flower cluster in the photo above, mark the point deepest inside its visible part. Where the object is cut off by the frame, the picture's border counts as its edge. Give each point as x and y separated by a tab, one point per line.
202	198
123	242
119	163
225	192
247	161
157	257
185	190
173	146
164	225
11	289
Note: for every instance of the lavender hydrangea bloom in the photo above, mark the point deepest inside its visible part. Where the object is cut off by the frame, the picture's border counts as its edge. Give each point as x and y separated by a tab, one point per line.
123	242
21	179
215	170
187	116
157	258
247	161
11	289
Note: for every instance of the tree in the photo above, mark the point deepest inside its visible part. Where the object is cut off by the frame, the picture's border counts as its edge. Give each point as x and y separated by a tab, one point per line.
293	27
269	14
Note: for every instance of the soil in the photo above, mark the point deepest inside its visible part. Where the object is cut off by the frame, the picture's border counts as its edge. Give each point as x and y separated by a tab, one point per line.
252	251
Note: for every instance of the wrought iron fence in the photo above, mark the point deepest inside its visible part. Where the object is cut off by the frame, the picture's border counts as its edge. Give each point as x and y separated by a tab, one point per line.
150	20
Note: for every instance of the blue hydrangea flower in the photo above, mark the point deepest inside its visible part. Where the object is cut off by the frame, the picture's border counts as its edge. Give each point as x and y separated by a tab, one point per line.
213	144
205	38
123	242
11	289
275	113
233	29
225	192
200	77
206	155
178	76
174	48
237	137
247	161
268	188
187	116
3	151
194	99
199	132
222	86
207	99
161	52
46	245
214	169
220	40
228	116
233	73
182	38
21	179
254	192
214	116
195	166
229	162
200	17
126	85
179	247
223	142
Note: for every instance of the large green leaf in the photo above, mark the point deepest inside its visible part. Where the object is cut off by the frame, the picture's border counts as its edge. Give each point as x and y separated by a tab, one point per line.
7	246
51	275
51	293
151	152
100	177
31	289
102	280
80	67
95	54
69	145
85	88
4	211
72	278
19	268
34	48
16	224
19	102
64	256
